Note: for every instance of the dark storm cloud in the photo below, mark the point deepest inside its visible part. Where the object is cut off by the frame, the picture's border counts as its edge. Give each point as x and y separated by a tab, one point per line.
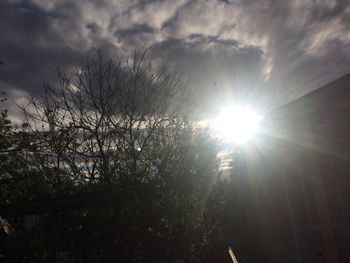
31	46
134	35
201	39
95	28
275	50
134	30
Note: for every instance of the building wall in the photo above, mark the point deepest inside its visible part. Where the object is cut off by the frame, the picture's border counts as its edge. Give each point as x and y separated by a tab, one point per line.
297	176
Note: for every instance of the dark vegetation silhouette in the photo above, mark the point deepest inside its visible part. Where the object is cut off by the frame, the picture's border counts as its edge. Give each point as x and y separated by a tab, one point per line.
109	167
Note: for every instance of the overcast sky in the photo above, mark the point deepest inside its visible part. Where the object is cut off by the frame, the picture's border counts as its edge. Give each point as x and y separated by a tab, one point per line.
268	50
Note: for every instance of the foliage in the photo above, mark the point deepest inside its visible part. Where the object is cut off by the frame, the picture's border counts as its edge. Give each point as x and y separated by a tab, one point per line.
109	167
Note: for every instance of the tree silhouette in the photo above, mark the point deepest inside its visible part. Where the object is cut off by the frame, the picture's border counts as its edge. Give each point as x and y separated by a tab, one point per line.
112	169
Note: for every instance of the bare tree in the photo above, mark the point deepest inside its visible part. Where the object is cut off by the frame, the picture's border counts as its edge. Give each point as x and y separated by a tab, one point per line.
108	121
110	150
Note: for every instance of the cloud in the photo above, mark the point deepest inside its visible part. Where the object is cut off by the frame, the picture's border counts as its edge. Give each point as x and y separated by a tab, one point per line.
32	43
272	51
217	69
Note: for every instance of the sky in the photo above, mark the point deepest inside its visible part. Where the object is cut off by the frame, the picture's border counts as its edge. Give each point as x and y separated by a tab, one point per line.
266	52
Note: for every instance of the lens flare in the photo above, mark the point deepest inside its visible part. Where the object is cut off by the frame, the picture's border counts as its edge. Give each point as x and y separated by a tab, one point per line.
237	124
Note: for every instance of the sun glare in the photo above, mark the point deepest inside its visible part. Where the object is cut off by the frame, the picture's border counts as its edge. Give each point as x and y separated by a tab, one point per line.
237	124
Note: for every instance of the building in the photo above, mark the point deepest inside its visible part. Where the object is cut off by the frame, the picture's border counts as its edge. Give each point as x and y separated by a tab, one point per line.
293	186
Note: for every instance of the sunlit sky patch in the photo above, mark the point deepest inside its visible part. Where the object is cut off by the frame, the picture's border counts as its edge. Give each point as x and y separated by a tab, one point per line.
237	124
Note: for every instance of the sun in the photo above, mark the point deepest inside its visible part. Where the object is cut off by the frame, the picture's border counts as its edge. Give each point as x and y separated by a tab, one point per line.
237	124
